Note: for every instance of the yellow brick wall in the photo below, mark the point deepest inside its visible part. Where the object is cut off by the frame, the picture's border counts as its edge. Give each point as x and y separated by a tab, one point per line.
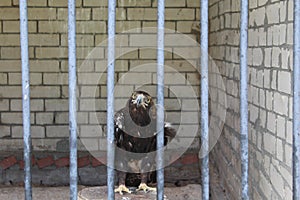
270	99
135	66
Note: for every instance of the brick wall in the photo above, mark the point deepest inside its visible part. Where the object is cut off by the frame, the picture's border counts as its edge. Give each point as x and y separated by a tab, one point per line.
270	98
135	68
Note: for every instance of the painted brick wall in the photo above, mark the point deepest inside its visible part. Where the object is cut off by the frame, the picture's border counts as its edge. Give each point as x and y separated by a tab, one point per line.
270	100
135	67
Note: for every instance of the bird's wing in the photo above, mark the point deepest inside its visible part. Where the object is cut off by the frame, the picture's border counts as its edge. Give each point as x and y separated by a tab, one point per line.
119	124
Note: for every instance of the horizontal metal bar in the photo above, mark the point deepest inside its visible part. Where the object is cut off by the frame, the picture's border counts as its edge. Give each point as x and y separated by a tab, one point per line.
25	97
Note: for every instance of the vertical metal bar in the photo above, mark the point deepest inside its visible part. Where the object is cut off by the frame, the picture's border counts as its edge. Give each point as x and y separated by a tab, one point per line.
296	103
160	98
204	98
110	98
244	96
26	97
72	98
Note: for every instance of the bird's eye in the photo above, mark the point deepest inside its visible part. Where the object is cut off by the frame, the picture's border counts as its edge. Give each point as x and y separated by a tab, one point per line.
134	96
147	101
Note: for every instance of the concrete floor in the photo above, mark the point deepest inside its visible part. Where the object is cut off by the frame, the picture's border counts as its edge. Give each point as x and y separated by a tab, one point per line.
190	192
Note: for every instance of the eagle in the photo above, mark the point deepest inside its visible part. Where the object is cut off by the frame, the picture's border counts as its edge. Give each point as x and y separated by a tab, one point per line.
135	137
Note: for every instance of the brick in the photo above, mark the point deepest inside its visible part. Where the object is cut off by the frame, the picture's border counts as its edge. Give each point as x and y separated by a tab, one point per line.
171	3
186	52
284	82
57	131
61	3
22	163
128	26
9	40
257	57
82	40
151	26
41	13
135	78
90	131
32	2
4	131
62	118
257	17
277	180
126	53
97	161
97	117
45	92
45	162
281	104
179	14
91	78
14	52
171	78
141	13
91	27
14	27
140	3
82	14
94	3
189	159
44	66
56	105
35	105
83	161
269	143
90	91
272	12
5	3
36	132
92	105
44	39
62	162
3	79
16	78
151	53
9	13
4	104
184	26
55	78
192	3
52	27
51	52
89	144
8	162
14	118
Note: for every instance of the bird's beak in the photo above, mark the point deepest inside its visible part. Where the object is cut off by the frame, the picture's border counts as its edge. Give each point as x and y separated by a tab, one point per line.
139	100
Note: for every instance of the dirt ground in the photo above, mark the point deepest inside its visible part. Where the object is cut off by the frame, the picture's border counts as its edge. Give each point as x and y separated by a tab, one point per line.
189	191
98	193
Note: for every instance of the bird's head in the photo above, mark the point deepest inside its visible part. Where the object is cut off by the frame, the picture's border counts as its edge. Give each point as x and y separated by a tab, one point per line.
141	99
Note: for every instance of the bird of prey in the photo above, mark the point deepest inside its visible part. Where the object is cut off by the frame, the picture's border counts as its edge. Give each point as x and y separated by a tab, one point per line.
135	138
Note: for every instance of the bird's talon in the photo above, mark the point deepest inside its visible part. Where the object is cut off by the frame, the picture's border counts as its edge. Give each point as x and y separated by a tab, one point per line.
145	188
121	189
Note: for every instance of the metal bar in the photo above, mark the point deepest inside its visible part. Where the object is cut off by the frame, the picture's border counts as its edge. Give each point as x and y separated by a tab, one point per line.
204	98
110	98
72	98
244	96
296	105
160	98
26	97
